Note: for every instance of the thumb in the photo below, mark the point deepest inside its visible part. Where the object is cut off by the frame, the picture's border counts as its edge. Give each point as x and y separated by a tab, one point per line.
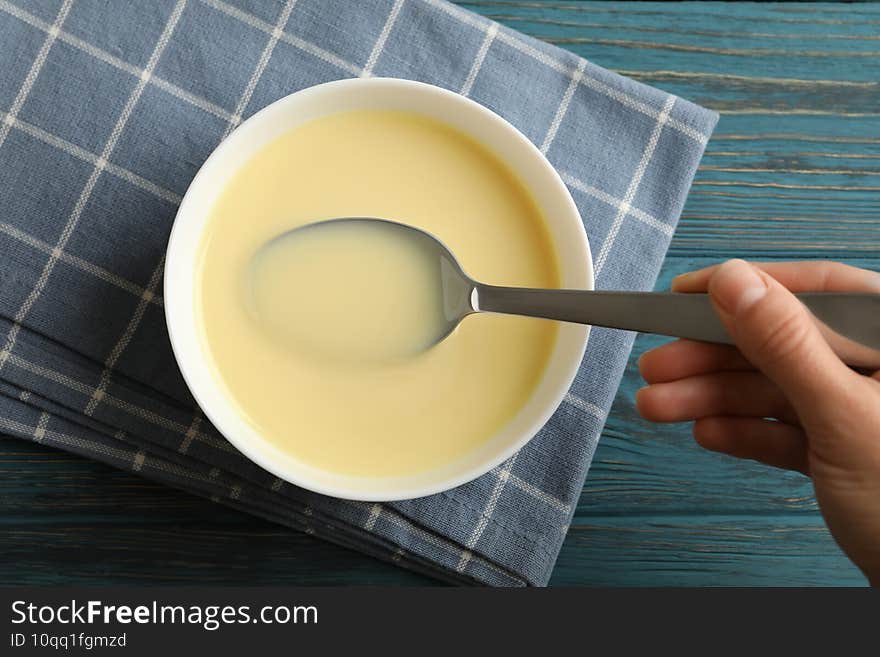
778	335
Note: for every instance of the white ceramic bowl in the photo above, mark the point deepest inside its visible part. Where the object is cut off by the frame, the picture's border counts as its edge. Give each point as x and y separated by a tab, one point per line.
548	190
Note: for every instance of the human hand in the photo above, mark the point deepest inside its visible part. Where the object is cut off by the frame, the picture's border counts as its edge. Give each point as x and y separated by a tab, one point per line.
826	416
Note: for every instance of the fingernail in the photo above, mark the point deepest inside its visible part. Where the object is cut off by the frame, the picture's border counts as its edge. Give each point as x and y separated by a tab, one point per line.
678	280
873	281
737	286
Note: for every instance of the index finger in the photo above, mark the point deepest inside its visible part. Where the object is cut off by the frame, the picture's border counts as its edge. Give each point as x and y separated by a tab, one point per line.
804	276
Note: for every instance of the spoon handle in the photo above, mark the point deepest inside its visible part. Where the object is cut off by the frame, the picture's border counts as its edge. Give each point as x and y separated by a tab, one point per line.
851	322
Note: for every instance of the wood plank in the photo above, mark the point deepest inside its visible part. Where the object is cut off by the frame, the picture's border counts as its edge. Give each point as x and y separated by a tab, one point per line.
711	551
702	37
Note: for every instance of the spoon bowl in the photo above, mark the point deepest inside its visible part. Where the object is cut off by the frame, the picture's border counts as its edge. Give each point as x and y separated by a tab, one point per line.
400	301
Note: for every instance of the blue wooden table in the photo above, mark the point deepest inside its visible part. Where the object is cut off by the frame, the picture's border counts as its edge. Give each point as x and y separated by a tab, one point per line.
793	171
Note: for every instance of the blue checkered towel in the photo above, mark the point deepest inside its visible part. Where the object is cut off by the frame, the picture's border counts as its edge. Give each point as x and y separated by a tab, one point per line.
107	109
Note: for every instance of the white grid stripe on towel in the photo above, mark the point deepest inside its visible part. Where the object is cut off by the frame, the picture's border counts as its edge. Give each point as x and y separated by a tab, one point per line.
533	491
491	33
587	407
266	55
34	71
86	193
126	337
613	201
401	521
79	263
191	434
87	156
375	512
296	42
623	211
112	60
383	37
563	106
502	477
40	429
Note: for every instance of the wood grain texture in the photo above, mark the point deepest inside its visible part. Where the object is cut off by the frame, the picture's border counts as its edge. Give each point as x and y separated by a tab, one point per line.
793	171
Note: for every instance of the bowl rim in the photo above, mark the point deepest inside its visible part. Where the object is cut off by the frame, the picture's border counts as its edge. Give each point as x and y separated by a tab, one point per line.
194	367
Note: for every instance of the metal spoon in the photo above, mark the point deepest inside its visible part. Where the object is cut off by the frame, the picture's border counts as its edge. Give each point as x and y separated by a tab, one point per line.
850	321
